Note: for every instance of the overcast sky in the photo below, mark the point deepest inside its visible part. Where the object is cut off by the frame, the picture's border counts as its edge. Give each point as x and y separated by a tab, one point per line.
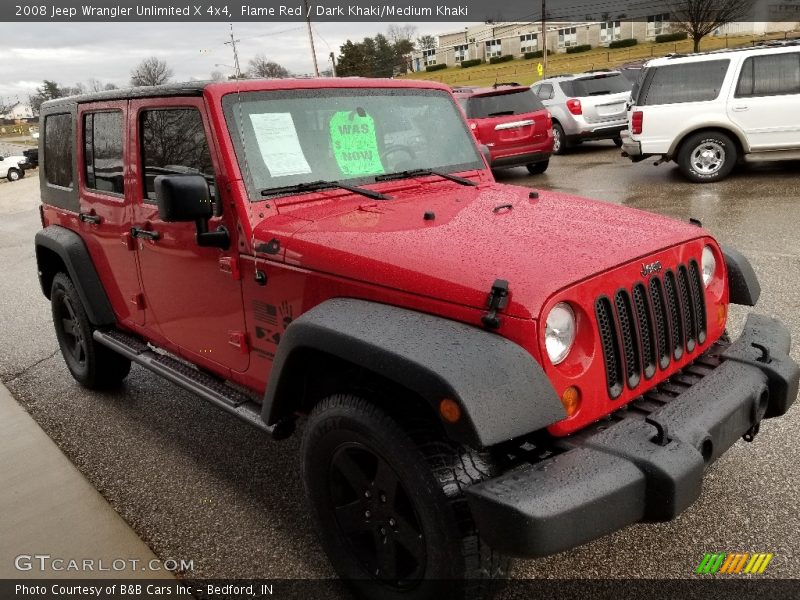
73	52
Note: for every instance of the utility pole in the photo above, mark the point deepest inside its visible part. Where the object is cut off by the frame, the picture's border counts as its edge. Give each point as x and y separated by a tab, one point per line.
311	38
544	39
333	63
236	70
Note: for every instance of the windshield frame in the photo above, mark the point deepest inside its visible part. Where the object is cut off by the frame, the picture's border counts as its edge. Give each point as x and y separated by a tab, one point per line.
231	104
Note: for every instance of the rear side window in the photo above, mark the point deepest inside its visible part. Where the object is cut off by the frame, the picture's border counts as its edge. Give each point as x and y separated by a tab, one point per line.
771	75
174	143
58	150
545	91
689	82
102	151
600	85
508	103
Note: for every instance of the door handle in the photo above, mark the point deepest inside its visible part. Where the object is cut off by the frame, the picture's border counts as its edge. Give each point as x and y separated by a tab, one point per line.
741	108
138	232
89	218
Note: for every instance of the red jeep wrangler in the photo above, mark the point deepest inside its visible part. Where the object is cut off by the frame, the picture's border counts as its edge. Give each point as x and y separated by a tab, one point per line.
483	371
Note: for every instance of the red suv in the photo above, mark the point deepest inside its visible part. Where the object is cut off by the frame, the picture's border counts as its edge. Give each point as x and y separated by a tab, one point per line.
512	123
481	371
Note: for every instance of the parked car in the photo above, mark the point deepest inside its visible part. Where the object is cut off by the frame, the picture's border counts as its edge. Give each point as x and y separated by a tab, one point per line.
708	112
512	123
31	158
587	106
483	371
12	167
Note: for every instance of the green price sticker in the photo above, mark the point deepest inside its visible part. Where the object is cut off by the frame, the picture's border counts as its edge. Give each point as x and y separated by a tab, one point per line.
355	145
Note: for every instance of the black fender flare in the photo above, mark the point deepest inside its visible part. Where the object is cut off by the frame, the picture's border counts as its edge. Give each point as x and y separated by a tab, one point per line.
743	286
72	251
502	391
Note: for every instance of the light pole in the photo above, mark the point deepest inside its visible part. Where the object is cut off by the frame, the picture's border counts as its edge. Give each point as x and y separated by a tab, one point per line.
544	39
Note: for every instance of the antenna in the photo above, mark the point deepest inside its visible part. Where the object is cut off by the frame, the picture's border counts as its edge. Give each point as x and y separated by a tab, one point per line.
232	44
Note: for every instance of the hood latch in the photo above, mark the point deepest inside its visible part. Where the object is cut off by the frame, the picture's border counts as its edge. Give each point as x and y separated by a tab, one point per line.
496	301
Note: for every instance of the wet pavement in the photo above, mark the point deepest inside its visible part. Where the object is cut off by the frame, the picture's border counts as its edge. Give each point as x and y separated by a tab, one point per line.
197	484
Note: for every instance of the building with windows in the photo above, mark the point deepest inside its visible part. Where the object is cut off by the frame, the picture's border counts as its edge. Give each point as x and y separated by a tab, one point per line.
18	113
490	40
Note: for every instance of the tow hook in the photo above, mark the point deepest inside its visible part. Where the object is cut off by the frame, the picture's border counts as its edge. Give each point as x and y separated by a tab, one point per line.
751	433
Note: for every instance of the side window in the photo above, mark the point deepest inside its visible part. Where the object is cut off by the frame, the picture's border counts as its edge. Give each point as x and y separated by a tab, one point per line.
102	151
174	143
545	91
58	139
688	82
771	75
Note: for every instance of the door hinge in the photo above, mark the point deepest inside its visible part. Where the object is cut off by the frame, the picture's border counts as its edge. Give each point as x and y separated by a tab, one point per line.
496	301
238	339
230	265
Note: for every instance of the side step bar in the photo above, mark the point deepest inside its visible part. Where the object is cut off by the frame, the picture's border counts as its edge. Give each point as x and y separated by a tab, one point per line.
207	387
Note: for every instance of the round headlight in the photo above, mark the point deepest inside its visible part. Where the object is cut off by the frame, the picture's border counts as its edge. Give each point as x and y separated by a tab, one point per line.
709	263
559	332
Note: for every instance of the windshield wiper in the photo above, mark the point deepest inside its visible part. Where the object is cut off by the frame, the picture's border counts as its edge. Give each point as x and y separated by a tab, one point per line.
313	186
501	113
423	172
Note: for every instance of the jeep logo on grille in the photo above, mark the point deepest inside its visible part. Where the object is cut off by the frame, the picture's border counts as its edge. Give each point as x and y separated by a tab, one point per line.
650	268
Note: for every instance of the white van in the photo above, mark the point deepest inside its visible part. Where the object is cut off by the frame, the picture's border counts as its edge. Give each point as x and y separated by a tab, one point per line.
709	111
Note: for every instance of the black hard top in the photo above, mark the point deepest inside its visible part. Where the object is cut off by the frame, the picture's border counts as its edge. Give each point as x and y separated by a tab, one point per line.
190	88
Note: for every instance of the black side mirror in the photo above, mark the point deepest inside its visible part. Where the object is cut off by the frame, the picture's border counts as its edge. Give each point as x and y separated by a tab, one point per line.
183	198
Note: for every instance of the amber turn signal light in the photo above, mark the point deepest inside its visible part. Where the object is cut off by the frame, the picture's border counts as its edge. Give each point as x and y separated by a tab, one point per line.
450	410
571	399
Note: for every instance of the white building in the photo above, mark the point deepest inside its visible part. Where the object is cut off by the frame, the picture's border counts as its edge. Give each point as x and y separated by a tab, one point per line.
18	112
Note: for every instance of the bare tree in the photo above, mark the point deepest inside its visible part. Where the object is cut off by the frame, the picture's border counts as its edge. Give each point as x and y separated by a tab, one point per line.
261	67
217	76
699	18
426	42
151	71
398	33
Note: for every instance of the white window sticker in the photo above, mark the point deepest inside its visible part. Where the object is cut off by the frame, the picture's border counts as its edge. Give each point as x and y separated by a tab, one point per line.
279	145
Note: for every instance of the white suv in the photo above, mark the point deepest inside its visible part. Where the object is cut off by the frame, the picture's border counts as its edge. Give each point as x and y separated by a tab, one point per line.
709	111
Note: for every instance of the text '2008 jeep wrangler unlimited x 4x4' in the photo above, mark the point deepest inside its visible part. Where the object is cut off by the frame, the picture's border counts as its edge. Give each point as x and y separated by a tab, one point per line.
485	371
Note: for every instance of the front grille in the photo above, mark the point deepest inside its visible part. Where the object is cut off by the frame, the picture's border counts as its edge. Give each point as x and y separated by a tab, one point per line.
650	325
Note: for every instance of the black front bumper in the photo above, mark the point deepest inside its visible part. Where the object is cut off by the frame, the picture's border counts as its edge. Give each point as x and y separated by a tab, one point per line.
645	465
517	160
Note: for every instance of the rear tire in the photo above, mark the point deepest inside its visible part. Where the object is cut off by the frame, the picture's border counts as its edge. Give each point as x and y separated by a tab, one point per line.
389	505
560	145
14	174
707	157
538	168
92	365
617	141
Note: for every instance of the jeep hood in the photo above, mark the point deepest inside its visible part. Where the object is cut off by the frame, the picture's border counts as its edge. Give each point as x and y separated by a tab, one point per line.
539	245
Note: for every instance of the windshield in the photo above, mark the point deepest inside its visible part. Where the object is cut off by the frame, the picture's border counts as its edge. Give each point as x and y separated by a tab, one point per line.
598	85
519	102
285	138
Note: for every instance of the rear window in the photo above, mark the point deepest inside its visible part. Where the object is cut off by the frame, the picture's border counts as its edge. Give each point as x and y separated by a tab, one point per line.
689	82
597	85
58	150
508	103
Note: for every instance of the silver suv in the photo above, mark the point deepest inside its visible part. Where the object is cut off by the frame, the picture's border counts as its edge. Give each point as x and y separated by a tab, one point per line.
587	106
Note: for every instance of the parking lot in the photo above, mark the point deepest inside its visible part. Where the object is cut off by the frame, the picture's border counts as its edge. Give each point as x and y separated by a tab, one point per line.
198	484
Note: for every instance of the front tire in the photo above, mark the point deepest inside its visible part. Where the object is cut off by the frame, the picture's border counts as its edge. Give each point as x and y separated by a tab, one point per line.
560	145
388	502
14	174
92	365
538	168
707	157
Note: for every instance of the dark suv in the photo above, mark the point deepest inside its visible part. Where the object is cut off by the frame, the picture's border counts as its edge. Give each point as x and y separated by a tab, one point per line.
481	371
